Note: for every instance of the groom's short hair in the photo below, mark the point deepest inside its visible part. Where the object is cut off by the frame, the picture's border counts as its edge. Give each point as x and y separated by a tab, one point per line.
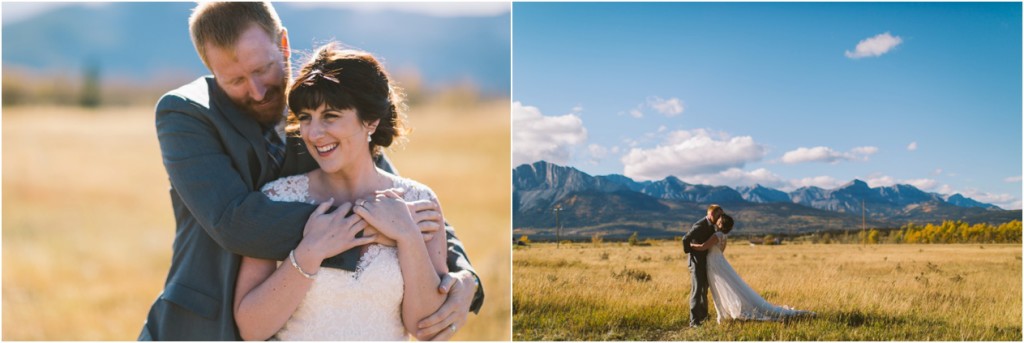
221	23
714	207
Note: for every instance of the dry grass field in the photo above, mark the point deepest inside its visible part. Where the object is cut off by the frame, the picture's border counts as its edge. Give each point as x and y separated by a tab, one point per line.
87	222
859	292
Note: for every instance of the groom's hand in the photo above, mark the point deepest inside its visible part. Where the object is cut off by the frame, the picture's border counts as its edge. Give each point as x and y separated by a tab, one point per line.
443	324
426	214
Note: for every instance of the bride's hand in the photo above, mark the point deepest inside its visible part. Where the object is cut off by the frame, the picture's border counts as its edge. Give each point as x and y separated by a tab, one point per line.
329	234
389	215
426	214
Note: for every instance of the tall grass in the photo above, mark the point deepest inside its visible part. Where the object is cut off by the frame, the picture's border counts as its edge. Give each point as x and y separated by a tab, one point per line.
887	292
87	222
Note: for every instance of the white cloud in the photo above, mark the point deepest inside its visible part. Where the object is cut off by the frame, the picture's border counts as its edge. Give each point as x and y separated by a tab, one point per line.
1005	201
816	154
690	153
1012	179
670	107
738	177
875	46
636	113
863	152
662	128
538	137
938	171
826	182
827	155
922	184
945	189
880	181
912	146
597	153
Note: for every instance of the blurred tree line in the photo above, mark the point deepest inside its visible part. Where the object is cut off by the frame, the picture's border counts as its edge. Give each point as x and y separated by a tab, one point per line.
90	88
949	232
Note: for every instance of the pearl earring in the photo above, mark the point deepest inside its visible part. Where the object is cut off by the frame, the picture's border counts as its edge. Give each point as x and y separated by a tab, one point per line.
368	138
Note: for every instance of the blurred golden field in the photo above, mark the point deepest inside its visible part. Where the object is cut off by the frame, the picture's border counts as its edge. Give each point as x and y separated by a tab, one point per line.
859	292
87	221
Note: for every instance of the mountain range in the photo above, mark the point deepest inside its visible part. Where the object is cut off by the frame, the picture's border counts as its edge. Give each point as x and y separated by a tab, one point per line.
142	41
615	205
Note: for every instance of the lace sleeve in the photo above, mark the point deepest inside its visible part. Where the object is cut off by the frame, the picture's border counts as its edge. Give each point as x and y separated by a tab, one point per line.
288	189
415	191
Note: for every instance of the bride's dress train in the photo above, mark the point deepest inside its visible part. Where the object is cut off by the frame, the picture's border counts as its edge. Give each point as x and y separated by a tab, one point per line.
734	299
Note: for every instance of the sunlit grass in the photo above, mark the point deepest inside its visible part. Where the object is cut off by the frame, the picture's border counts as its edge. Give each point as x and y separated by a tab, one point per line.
87	221
882	292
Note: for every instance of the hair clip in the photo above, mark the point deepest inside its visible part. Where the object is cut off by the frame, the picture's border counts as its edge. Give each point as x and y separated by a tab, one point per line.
312	76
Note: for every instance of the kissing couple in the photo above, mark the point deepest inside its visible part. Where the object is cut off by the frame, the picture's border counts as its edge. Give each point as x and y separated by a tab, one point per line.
258	162
734	299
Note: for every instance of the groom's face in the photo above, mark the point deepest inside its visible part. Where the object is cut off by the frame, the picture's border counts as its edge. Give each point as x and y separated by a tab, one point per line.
715	215
253	73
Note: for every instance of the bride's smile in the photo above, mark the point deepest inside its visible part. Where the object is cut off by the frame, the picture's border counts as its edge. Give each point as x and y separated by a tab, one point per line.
336	138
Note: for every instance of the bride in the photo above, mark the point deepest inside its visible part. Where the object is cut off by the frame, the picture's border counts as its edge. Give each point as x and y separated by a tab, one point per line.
345	110
734	299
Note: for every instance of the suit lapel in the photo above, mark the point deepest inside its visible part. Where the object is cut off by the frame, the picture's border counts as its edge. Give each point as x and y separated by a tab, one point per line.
296	158
245	126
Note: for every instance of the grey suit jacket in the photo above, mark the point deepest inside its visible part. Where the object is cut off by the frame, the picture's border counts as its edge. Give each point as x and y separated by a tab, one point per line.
700	232
216	160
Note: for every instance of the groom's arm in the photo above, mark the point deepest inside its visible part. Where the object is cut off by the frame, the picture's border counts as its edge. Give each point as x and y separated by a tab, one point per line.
457	259
689	238
240	219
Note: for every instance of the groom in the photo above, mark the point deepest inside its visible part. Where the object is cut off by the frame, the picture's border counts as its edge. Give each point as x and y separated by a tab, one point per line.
699	233
221	141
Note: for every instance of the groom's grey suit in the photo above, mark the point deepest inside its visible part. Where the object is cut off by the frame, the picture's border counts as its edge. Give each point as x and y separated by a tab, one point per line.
216	159
699	233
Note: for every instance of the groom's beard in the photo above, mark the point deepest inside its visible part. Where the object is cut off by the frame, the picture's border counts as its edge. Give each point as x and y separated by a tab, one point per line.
270	110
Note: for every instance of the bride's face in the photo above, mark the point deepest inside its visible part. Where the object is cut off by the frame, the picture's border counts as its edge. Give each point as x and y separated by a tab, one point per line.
335	138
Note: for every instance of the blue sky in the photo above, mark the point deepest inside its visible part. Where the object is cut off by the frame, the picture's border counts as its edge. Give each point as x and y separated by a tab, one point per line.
784	94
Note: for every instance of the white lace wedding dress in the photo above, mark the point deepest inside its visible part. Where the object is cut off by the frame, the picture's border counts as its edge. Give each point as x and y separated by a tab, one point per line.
734	299
364	305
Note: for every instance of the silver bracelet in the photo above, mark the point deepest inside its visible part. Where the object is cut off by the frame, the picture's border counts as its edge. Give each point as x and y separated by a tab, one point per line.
291	256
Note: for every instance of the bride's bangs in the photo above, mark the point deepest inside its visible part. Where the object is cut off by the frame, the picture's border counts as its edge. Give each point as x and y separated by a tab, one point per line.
308	97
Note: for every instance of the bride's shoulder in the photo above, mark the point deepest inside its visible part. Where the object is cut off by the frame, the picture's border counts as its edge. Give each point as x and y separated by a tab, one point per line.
414	190
289	188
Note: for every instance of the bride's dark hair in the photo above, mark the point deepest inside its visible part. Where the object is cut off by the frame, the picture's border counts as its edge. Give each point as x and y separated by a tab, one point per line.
350	79
726	223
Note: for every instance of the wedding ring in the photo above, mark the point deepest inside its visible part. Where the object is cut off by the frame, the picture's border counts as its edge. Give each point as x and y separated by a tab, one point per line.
452	327
360	202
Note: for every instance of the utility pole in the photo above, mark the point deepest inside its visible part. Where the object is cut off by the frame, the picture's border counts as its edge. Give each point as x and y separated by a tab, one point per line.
863	216
558	228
